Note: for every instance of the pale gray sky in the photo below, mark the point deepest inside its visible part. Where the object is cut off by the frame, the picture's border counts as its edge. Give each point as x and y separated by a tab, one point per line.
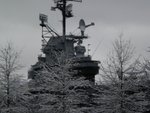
19	23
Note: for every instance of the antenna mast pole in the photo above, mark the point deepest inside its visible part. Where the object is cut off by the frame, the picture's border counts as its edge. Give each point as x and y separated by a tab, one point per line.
66	10
64	19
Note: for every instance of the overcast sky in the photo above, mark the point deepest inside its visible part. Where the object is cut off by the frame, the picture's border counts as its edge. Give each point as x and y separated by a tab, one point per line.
19	23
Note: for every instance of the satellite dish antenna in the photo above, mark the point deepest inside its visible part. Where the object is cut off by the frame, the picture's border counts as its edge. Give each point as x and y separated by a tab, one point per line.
69	10
82	26
69	7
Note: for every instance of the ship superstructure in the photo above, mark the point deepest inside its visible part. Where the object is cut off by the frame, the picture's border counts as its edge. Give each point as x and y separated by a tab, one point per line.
70	45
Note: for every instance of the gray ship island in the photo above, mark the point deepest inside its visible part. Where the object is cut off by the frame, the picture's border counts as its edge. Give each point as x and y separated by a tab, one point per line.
70	45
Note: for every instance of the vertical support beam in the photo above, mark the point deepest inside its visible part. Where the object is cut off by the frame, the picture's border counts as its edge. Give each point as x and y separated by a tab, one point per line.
64	19
64	26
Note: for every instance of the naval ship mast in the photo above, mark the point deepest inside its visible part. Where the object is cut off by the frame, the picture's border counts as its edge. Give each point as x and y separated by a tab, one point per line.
66	12
53	42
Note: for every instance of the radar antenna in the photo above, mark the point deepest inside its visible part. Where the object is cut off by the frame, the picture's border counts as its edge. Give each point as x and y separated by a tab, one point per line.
47	31
83	26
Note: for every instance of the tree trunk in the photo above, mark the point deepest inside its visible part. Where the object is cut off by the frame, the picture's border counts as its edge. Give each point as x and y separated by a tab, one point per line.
8	92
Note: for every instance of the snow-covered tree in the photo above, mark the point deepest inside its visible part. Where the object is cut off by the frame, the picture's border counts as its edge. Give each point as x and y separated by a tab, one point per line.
145	83
57	89
121	92
10	81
